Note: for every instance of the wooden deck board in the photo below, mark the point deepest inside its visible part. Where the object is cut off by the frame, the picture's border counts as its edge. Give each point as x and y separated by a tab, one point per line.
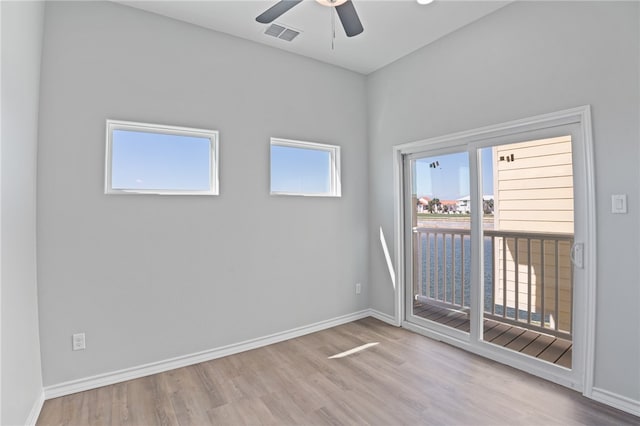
523	340
508	336
457	321
536	347
496	331
543	346
565	359
488	325
465	326
437	315
555	350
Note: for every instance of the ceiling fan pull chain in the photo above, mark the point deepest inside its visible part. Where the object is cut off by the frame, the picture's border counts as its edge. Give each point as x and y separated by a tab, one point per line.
333	28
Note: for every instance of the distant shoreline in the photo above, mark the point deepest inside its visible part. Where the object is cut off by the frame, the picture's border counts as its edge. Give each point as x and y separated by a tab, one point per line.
451	221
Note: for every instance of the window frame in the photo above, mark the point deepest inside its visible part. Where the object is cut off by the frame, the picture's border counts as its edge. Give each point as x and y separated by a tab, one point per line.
335	185
162	129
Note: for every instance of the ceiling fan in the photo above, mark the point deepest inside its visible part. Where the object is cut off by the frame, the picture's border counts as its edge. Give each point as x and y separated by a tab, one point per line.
345	9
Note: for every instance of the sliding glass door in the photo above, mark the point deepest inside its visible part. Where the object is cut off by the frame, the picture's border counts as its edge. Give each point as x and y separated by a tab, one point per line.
528	234
438	211
490	257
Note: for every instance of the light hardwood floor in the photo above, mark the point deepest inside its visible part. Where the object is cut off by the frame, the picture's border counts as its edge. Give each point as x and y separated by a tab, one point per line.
403	379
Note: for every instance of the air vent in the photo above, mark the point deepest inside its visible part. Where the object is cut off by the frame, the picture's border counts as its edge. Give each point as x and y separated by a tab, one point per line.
274	30
289	34
281	32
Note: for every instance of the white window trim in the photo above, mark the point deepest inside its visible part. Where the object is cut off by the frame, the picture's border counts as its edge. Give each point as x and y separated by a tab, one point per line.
335	186
212	135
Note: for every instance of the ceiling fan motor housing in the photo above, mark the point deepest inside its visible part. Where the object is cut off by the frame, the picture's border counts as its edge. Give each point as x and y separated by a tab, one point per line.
331	3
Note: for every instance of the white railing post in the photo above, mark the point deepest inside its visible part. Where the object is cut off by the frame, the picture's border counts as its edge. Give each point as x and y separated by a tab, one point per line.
428	281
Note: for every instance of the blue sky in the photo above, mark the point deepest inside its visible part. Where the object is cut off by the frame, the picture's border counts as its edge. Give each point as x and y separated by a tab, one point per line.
155	161
174	162
450	179
300	170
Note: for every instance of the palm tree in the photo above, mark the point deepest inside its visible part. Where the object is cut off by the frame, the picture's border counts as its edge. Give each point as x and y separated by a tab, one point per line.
433	206
487	206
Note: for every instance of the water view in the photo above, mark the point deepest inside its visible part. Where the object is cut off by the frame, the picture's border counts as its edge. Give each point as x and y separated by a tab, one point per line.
448	256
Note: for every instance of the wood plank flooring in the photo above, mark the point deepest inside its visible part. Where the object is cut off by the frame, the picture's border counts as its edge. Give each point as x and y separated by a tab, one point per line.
401	378
552	349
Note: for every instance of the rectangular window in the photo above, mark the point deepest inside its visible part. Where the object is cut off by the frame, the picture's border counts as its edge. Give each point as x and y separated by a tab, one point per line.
305	168
158	159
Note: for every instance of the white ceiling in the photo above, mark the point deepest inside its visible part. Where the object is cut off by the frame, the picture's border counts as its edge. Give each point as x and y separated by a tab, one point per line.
392	28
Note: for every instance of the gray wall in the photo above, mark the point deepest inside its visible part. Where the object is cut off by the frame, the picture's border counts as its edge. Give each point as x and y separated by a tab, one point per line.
149	277
21	51
526	59
152	277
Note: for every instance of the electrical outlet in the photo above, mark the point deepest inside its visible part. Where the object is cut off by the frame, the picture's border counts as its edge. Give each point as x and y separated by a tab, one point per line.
78	342
358	288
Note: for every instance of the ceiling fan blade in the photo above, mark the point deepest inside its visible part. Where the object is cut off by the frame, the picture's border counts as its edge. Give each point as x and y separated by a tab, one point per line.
275	11
349	18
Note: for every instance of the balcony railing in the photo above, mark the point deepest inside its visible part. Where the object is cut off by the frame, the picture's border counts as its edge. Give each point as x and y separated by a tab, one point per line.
528	276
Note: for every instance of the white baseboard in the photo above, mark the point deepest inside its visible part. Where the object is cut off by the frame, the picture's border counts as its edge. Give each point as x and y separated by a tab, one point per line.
614	400
106	379
383	317
606	397
35	410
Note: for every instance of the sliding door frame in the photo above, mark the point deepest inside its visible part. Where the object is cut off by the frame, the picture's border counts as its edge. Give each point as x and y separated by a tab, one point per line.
409	261
541	125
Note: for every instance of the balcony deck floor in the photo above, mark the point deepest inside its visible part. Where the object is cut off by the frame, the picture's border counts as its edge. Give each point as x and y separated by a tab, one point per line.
543	346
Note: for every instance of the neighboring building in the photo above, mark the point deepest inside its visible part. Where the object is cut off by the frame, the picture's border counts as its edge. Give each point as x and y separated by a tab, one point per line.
533	187
442	206
463	204
448	206
423	204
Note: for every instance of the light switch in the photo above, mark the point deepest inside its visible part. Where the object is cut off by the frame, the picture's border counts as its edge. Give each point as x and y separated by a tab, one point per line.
619	203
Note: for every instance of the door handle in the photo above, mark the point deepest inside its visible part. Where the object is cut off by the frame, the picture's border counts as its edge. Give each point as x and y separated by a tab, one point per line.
577	255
